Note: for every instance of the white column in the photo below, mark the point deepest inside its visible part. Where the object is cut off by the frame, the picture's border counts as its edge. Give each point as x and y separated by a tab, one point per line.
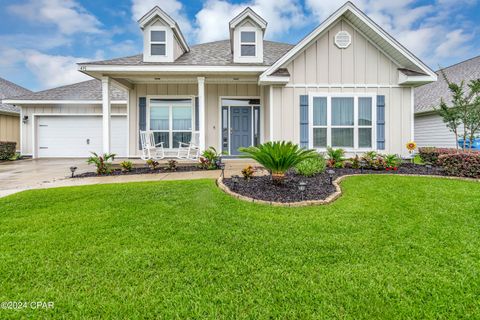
106	111
201	111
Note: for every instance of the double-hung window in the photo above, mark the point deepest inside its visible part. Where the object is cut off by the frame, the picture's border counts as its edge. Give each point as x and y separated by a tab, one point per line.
342	122
248	43
171	121
158	43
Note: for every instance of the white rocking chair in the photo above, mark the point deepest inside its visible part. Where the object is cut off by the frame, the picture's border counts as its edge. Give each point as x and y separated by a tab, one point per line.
150	150
191	150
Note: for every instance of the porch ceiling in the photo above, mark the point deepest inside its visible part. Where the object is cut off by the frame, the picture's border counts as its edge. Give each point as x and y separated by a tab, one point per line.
163	78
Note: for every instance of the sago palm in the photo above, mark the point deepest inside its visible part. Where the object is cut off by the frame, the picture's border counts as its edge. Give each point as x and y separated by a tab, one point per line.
278	156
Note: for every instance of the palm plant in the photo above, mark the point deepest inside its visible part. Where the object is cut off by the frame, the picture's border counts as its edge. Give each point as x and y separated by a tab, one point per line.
103	163
278	156
335	156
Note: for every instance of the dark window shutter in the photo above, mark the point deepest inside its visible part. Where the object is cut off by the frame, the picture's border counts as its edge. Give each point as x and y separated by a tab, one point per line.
381	122
142	117
197	115
304	121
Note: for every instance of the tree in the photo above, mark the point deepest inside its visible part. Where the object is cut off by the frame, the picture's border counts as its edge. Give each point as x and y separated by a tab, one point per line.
464	109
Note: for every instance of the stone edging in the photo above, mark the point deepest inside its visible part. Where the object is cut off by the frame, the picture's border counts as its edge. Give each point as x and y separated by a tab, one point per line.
331	198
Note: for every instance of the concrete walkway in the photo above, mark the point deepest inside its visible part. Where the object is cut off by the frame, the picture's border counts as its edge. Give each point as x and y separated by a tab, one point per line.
17	176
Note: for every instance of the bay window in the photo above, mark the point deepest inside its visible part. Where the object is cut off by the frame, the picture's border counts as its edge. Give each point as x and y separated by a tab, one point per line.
171	121
342	121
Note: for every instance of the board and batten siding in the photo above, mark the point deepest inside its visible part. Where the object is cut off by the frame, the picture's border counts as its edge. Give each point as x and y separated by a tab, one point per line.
431	131
30	110
10	129
361	68
213	92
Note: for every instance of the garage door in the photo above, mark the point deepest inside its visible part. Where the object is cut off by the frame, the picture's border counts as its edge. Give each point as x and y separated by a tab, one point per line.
78	136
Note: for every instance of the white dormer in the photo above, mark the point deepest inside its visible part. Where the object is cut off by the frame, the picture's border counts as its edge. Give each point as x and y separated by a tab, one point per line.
246	37
162	39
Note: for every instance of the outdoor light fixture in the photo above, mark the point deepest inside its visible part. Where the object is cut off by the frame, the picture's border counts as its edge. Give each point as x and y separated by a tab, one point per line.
72	170
362	165
330	176
302	186
222	167
429	167
235	181
25	119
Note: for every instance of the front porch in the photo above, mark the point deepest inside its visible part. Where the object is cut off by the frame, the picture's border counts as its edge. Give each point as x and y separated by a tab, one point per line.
224	113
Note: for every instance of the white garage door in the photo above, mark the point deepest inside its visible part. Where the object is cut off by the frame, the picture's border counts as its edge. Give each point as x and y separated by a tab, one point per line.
78	136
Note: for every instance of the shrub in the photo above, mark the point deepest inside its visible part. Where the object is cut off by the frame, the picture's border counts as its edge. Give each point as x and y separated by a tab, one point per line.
248	172
209	159
312	166
431	154
7	150
278	156
126	166
171	165
103	163
461	164
355	162
335	156
392	161
375	161
153	164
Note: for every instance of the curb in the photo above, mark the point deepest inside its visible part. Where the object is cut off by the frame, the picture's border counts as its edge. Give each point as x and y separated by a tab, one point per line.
331	198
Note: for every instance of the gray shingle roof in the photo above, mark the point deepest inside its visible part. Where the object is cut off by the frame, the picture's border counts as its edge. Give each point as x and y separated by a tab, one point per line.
10	89
87	90
428	97
216	53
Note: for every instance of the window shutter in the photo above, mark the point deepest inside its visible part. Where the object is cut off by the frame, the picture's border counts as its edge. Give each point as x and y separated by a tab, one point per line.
381	122
197	115
304	121
142	117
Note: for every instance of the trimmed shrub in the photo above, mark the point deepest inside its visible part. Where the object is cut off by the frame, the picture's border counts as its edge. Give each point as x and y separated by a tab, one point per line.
461	164
431	154
312	166
7	150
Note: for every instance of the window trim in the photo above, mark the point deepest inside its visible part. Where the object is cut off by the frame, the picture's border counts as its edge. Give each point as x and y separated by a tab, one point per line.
254	43
170	117
151	42
355	126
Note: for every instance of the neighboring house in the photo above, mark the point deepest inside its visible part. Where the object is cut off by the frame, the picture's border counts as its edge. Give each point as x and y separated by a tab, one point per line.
10	114
430	130
67	121
347	84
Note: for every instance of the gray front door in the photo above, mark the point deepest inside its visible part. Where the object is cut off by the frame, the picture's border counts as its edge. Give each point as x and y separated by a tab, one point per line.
240	128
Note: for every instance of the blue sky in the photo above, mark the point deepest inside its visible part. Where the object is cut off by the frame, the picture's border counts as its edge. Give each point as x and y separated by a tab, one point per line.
41	40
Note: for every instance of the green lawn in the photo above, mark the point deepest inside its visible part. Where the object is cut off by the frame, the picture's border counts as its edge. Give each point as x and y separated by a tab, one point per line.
391	248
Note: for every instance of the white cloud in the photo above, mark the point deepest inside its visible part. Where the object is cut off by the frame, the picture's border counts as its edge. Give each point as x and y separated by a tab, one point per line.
54	70
173	8
281	15
67	15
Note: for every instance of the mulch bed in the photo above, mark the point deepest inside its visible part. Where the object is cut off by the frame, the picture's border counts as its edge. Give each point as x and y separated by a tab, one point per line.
318	187
142	170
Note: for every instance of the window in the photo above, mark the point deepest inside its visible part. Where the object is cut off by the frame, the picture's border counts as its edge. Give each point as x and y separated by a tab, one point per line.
158	44
247	43
171	121
342	122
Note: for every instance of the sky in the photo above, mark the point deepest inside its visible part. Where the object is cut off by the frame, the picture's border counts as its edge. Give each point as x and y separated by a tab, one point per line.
42	40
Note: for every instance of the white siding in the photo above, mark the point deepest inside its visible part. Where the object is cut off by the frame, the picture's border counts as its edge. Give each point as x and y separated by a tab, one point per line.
431	131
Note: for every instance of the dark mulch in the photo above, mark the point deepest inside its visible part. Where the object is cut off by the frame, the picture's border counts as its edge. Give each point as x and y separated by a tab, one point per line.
318	187
142	170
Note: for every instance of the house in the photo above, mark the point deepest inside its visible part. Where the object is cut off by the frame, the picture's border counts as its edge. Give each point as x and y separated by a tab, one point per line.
67	121
430	130
347	84
10	114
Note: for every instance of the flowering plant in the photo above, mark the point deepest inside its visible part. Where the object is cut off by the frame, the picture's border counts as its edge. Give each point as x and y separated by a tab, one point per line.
411	146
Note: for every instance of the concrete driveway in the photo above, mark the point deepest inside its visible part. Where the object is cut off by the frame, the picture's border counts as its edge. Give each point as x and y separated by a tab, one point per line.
16	176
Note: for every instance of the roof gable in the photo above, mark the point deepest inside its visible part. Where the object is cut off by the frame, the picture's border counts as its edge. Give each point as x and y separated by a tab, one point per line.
10	89
370	30
248	13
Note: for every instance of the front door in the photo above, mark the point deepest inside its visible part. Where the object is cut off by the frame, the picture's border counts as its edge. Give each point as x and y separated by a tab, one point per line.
240	128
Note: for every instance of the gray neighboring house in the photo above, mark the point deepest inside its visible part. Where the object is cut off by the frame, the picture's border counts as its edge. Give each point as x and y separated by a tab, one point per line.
10	114
430	130
66	121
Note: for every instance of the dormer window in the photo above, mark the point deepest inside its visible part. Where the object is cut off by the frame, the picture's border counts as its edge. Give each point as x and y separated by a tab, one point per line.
158	44
248	43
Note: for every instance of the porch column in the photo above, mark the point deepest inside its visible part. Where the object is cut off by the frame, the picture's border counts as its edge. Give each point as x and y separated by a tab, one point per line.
201	111
106	112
